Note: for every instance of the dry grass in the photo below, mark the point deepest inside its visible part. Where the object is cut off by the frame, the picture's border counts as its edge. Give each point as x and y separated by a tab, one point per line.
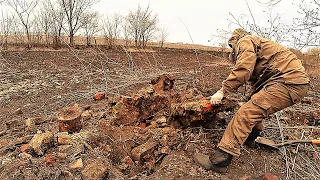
101	41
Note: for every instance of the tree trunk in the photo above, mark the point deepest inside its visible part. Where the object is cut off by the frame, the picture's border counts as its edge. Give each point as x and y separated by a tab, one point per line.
29	39
88	41
71	35
69	119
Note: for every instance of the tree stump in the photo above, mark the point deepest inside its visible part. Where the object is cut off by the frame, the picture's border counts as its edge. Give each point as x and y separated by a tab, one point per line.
69	119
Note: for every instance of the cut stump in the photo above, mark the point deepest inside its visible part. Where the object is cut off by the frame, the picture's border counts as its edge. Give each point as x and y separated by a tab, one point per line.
69	119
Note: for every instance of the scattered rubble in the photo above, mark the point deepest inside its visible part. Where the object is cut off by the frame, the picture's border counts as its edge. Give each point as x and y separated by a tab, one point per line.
135	137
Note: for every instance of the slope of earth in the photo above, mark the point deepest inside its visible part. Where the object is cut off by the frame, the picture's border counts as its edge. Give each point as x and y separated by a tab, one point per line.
36	84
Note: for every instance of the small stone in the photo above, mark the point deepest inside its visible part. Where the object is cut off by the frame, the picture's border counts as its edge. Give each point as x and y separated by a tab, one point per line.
123	166
77	164
306	100
99	96
161	120
30	122
268	176
12	124
18	111
95	170
3	143
127	160
86	115
165	150
64	148
41	142
164	140
87	107
68	175
63	138
164	124
25	155
62	155
245	177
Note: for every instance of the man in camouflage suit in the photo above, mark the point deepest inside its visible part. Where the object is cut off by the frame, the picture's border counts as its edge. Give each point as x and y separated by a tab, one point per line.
279	80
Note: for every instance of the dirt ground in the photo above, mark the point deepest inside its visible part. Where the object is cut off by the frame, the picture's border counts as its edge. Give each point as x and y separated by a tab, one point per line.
35	84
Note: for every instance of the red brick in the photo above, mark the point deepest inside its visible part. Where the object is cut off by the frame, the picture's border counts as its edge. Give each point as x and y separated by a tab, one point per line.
139	152
99	96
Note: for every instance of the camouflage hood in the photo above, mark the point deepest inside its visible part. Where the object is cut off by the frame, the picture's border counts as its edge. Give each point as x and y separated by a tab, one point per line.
236	35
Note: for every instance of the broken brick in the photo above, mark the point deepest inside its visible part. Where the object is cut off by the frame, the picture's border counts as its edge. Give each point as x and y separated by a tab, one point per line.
268	176
147	148
49	159
3	143
95	170
99	96
41	142
76	164
25	155
127	160
24	147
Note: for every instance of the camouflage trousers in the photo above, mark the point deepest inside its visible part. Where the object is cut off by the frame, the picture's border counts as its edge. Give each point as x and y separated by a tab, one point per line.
274	97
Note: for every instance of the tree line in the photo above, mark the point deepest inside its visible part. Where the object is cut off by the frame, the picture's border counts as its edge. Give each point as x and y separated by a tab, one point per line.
49	21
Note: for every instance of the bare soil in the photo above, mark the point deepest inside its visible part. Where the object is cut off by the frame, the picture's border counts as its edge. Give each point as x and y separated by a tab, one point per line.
36	84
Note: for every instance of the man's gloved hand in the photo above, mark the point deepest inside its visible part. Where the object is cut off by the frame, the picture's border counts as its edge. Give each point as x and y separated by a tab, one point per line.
216	98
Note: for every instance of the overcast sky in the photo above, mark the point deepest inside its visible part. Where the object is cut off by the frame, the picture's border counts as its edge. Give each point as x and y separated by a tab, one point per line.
202	17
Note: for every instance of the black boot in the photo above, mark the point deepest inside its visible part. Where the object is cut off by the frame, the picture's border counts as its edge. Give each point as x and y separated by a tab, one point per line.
250	141
218	162
221	158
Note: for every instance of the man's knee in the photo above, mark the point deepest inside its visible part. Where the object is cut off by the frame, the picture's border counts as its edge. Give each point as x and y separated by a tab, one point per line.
253	112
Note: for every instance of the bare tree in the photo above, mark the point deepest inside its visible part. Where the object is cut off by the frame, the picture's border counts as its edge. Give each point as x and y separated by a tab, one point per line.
45	20
272	27
142	24
23	9
163	34
111	29
6	24
57	16
307	26
74	11
90	21
37	30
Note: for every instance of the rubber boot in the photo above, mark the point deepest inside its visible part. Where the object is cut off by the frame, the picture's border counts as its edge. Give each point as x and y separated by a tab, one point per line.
250	141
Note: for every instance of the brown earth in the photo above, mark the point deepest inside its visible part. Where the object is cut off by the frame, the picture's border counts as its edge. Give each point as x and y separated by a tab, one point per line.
36	84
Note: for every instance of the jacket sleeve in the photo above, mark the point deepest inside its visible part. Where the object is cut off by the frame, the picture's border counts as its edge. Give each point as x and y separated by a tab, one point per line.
246	60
